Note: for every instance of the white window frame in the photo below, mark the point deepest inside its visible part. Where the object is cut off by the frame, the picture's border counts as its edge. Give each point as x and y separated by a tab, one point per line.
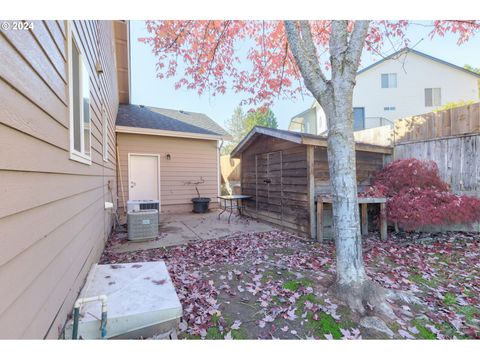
432	92
76	155
389	76
105	133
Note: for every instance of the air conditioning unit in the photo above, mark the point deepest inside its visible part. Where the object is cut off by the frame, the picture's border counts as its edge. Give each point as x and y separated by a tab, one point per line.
135	205
142	225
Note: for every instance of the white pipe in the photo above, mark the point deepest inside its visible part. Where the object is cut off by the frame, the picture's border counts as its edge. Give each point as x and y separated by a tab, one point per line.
76	314
102	298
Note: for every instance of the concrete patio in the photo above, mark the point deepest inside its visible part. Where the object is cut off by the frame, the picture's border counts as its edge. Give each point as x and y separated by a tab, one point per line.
181	229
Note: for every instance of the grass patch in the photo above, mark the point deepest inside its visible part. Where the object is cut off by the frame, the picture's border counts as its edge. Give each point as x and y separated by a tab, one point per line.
214	319
240	334
301	302
468	293
450	299
423	332
469	312
420	280
294	285
213	334
325	324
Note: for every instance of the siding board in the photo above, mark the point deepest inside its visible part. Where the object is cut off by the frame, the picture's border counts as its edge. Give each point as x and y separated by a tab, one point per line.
19	74
46	274
54	74
58	38
52	219
190	160
17	112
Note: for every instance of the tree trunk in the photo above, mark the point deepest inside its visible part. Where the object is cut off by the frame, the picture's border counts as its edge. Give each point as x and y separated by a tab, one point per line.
346	219
335	96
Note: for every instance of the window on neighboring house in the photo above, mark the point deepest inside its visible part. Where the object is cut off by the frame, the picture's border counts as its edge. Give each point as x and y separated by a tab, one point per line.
389	80
79	89
389	108
358	118
433	97
105	133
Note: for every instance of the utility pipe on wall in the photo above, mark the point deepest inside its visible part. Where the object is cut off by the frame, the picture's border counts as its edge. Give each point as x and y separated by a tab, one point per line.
76	314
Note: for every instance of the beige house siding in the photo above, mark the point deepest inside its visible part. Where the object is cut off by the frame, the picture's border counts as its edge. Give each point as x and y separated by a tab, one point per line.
52	219
190	160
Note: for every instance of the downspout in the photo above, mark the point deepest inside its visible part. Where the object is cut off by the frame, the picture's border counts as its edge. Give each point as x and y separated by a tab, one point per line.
76	314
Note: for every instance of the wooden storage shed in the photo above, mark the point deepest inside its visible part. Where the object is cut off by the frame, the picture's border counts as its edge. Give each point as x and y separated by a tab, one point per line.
284	171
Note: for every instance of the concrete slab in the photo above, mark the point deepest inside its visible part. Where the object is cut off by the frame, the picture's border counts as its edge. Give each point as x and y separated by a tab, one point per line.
180	229
141	301
209	226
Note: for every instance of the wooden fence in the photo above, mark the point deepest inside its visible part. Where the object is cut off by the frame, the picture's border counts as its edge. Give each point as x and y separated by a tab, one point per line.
434	125
230	171
447	123
458	159
451	138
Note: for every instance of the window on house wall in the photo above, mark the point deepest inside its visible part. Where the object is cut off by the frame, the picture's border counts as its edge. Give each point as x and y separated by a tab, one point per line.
389	80
433	97
389	108
358	118
105	133
79	102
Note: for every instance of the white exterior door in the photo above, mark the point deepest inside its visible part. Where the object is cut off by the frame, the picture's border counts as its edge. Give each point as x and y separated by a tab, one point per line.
143	177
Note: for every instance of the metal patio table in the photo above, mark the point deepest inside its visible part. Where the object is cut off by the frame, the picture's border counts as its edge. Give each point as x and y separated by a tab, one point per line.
238	199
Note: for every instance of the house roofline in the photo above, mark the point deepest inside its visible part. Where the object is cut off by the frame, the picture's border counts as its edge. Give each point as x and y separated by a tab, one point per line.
407	49
159	132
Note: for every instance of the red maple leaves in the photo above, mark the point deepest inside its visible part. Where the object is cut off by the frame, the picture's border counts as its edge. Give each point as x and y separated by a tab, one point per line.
417	196
253	58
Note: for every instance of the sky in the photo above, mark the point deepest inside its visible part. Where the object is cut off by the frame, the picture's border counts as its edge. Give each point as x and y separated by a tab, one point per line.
148	90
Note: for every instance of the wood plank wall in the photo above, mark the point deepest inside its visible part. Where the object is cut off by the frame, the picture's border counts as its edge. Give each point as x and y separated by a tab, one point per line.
288	202
52	219
367	164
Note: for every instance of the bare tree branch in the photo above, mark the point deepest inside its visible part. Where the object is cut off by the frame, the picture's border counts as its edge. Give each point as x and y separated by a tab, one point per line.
355	45
307	63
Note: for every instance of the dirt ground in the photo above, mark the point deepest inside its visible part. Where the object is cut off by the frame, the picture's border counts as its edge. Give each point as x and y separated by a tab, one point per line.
273	285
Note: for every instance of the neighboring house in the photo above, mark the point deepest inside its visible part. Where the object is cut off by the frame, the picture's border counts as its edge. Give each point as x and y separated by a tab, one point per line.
176	147
310	121
58	104
406	83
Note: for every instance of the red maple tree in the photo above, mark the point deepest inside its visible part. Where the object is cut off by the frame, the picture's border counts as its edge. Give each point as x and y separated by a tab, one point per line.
417	197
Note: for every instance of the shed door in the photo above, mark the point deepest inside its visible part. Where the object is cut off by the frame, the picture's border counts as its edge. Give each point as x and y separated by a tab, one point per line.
143	181
269	183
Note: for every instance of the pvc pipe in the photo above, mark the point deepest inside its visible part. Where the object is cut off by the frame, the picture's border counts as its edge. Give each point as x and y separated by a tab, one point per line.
76	314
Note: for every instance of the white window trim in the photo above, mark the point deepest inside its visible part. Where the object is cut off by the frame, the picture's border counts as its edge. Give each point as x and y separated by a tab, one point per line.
389	75
105	133
76	155
433	97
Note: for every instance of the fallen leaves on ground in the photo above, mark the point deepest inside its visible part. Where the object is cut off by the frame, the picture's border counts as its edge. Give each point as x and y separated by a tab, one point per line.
282	278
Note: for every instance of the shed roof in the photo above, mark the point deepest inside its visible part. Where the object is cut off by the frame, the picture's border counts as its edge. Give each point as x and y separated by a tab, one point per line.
159	121
299	138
